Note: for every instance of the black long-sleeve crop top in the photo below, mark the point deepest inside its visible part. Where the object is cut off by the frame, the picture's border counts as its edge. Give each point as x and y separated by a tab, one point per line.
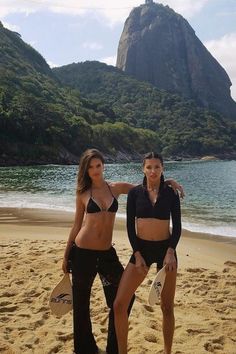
139	205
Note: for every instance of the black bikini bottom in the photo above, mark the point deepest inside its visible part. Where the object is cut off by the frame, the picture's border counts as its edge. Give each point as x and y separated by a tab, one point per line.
152	252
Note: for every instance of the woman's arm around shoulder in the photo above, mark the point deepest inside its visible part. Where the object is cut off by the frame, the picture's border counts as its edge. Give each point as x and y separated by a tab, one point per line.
176	186
78	220
121	187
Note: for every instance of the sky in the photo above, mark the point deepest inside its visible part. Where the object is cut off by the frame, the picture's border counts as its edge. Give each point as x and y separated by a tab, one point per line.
67	31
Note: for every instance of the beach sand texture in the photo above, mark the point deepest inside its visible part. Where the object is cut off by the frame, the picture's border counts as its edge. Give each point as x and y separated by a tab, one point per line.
32	245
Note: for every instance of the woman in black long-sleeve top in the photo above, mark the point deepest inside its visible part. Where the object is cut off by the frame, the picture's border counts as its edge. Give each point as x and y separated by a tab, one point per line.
149	208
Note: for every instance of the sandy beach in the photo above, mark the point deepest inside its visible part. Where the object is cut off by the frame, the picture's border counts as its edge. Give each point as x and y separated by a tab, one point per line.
32	244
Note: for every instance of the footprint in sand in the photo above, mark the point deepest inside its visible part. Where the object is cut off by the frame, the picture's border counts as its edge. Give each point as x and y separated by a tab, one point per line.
24	315
5	319
154	326
65	337
186	284
22	329
197	331
5	348
8	309
8	294
230	283
150	337
104	320
103	330
196	270
55	349
230	264
4	303
38	323
226	270
52	251
215	344
213	276
201	290
148	308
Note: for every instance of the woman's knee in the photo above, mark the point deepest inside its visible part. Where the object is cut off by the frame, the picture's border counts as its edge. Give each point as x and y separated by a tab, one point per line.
119	306
167	309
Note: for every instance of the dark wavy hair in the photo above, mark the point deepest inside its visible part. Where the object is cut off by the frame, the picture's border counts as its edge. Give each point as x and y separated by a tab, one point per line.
83	180
153	155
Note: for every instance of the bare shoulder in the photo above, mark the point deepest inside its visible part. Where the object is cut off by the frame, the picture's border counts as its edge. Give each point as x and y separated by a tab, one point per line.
120	187
81	198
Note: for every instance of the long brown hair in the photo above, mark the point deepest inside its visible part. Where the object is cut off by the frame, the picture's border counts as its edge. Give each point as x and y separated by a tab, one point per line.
153	155
83	180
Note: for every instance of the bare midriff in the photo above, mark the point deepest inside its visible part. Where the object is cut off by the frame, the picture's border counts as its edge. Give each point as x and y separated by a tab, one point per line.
153	229
96	232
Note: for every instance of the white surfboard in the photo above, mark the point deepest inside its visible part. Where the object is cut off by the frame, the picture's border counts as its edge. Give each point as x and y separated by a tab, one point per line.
156	287
61	297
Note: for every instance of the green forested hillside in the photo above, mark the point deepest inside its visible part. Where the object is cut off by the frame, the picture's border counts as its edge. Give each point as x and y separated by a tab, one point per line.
182	127
41	121
52	116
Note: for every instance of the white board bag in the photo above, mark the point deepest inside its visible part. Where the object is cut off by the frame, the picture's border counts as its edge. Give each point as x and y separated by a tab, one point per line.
156	287
60	300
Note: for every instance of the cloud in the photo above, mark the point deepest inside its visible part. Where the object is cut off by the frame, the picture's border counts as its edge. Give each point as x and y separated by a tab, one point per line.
92	45
114	11
224	49
109	60
17	6
186	8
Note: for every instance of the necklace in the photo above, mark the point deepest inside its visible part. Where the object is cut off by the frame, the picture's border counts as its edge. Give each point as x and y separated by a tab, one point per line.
153	189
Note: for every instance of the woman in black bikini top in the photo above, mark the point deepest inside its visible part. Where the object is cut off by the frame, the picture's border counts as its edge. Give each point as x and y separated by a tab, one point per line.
89	249
93	207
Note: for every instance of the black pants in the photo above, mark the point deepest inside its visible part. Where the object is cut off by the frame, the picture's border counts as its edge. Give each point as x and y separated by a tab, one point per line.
86	264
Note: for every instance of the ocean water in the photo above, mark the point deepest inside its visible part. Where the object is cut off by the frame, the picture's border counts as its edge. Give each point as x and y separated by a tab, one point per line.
210	187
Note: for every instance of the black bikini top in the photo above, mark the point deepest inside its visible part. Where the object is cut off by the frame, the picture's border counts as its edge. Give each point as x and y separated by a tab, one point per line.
139	205
93	207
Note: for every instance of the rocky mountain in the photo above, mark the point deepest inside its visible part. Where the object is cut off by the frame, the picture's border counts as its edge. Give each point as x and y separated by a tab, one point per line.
159	46
51	116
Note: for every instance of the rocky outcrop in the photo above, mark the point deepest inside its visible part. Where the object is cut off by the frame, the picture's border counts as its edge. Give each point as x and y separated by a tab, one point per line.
159	46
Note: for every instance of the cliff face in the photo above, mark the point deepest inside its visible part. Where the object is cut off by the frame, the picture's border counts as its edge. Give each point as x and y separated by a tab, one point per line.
159	46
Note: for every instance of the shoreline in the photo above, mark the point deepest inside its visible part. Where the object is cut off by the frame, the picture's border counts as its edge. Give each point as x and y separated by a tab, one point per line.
123	158
64	219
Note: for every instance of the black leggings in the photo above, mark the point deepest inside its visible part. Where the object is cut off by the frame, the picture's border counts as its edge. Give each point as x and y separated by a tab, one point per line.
86	264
